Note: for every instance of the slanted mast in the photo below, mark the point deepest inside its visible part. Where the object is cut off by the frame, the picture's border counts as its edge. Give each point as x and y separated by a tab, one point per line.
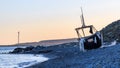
82	18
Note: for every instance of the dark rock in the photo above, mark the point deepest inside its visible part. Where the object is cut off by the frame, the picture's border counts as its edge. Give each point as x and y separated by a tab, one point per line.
18	50
39	48
28	48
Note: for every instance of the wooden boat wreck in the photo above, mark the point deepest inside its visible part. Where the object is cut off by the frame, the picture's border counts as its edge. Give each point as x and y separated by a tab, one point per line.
88	42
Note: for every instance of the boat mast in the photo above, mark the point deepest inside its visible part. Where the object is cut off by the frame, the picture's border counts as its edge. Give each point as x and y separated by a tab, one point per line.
82	21
82	18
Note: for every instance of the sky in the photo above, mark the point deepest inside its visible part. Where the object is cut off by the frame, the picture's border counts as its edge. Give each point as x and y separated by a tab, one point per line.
52	19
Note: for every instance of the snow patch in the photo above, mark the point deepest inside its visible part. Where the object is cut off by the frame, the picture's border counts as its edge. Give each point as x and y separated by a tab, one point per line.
112	44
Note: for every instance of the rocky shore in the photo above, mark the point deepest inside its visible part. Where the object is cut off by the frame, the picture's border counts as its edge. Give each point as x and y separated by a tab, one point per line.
57	50
111	32
107	57
68	55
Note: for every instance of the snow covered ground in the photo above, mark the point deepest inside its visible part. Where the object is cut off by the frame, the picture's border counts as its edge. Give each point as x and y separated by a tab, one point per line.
18	60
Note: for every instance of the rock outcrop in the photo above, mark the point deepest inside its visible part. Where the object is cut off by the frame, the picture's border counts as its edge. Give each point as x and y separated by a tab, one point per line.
111	32
56	49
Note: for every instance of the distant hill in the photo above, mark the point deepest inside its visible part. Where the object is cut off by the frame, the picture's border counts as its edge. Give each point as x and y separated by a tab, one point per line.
50	42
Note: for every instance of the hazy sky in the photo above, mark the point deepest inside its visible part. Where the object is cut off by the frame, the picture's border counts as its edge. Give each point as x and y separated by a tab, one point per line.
52	19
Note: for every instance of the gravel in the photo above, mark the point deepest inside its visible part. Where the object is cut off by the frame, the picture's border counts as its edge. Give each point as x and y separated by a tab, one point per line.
107	57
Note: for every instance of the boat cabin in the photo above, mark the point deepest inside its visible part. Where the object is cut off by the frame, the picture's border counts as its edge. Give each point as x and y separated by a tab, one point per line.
88	40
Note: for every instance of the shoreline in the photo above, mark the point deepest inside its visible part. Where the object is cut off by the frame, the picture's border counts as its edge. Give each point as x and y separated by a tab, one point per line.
97	58
68	55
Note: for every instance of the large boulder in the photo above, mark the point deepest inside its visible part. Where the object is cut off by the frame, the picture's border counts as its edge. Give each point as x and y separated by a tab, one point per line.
22	50
28	48
32	50
17	50
111	32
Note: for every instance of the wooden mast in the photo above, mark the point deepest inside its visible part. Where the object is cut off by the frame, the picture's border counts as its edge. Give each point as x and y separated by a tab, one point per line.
82	21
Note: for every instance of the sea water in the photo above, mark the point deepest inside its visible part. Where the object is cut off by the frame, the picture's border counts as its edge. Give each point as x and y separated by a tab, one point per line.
18	60
7	49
